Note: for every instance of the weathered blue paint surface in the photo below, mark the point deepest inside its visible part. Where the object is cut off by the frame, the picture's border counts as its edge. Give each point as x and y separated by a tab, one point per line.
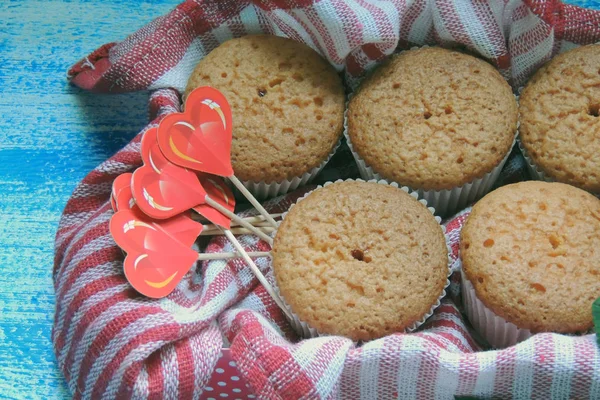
51	135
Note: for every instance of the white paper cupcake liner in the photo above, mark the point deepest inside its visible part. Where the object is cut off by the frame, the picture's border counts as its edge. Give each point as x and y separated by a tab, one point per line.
534	171
264	190
498	332
304	329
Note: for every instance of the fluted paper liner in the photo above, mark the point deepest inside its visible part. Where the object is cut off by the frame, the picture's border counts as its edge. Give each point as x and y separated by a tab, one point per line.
264	190
498	332
303	328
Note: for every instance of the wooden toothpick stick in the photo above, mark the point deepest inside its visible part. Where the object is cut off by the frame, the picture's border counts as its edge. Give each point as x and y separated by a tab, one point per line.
229	255
257	273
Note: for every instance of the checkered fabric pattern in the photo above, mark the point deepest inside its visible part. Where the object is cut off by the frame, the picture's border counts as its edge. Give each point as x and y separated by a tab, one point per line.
110	342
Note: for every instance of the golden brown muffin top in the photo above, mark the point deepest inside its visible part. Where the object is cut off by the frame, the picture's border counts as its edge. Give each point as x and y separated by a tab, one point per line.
560	118
433	119
287	104
532	252
358	259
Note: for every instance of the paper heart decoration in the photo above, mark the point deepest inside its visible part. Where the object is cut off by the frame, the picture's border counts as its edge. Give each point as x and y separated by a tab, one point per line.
217	190
151	154
155	262
166	191
148	141
121	192
113	203
200	137
181	227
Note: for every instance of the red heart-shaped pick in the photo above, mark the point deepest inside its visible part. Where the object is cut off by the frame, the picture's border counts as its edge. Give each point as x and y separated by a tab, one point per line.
148	141
218	191
113	203
181	227
121	192
156	262
200	137
165	192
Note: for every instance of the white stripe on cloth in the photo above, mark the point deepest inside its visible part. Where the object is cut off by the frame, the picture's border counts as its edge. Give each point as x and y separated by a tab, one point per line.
369	368
446	381
170	372
177	76
535	55
439	23
304	354
475	29
409	364
334	365
207	311
564	359
525	353
484	386
327	14
203	360
90	302
250	20
140	388
395	16
290	22
129	333
422	26
185	287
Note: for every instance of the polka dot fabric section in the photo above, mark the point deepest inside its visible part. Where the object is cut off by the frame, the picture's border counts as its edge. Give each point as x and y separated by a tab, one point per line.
226	381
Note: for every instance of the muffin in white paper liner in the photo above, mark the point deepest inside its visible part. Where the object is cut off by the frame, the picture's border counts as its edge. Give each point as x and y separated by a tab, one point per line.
446	201
264	190
498	332
304	329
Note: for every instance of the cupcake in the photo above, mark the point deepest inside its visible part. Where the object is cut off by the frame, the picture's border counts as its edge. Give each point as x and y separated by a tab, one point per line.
560	119
361	260
438	121
531	261
288	109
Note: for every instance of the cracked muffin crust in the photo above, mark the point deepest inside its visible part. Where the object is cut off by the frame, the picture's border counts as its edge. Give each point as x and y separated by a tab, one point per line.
531	250
560	118
360	259
433	119
287	104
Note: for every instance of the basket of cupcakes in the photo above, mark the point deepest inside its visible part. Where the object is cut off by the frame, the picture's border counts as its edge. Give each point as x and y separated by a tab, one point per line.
340	200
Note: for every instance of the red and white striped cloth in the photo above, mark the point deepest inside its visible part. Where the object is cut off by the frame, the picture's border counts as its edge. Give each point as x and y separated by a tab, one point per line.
111	342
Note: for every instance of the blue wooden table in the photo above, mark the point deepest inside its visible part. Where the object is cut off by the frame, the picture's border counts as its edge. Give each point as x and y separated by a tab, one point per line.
51	135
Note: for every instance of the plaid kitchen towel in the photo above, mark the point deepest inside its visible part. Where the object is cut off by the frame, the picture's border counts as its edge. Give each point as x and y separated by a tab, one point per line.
111	342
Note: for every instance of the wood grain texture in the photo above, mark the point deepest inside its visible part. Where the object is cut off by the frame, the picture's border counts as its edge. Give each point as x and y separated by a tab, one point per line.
51	135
